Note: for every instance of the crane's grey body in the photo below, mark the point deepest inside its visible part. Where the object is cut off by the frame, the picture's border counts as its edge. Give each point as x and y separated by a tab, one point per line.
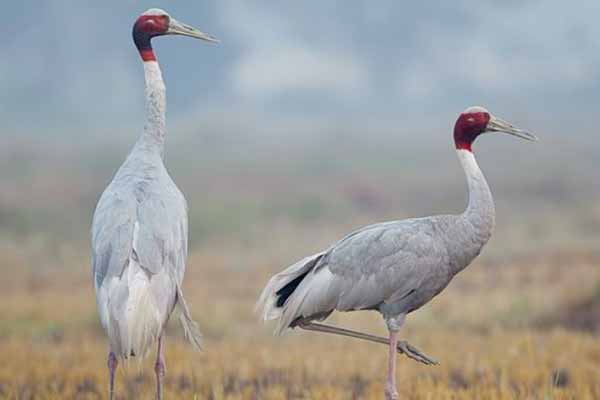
140	227
139	240
393	267
140	223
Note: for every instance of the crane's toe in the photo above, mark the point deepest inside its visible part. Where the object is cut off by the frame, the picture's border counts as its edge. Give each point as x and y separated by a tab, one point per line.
413	353
390	392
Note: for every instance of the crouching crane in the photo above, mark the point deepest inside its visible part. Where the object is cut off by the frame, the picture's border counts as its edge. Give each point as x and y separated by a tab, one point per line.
140	227
392	267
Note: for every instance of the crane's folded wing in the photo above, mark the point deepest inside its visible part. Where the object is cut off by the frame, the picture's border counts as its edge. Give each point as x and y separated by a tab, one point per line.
150	231
112	234
384	263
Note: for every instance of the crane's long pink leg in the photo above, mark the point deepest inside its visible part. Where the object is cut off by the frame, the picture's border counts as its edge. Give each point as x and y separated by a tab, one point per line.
159	369
402	346
391	393
113	362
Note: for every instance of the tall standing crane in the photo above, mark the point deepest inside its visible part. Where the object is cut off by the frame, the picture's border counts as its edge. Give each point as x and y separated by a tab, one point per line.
140	227
392	267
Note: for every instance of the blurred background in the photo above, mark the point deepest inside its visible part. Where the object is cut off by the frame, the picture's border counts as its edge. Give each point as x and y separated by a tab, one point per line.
310	119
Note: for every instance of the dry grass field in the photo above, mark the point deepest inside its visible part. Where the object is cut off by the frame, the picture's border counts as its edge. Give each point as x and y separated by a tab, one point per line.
487	332
520	323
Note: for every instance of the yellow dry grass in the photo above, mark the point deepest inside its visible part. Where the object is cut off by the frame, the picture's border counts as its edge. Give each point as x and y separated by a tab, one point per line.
481	329
496	366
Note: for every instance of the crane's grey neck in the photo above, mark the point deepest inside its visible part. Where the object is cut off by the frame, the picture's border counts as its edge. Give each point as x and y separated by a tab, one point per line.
153	138
480	216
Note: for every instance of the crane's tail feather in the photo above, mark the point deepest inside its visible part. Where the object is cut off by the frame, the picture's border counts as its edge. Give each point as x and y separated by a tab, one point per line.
190	327
133	321
280	287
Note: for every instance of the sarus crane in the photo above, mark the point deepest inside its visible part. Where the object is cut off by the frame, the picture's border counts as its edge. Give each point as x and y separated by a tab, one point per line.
140	227
392	267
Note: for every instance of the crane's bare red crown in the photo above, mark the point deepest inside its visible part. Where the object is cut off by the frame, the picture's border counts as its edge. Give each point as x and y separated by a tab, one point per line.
145	28
468	126
153	25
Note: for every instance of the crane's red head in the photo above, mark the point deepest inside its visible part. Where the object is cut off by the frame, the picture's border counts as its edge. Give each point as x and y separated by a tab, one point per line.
156	22
477	120
152	23
470	123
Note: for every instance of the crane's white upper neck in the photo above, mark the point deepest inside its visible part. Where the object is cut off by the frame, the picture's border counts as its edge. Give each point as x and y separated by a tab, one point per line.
480	211
153	137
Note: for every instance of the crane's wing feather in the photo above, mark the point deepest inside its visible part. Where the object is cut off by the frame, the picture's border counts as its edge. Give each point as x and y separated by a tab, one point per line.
160	243
112	235
397	265
388	263
152	229
141	229
161	236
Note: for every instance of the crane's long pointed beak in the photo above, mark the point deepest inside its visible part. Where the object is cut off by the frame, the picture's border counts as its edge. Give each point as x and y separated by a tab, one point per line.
499	125
178	28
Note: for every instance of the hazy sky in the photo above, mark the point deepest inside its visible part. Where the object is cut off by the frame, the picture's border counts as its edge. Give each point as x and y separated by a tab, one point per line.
70	66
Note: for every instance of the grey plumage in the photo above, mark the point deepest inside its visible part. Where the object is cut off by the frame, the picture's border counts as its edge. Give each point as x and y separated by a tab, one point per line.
392	267
140	227
139	241
140	221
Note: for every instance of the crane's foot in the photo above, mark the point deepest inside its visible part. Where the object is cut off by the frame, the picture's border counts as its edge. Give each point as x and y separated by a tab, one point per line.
412	352
160	369
113	362
390	392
